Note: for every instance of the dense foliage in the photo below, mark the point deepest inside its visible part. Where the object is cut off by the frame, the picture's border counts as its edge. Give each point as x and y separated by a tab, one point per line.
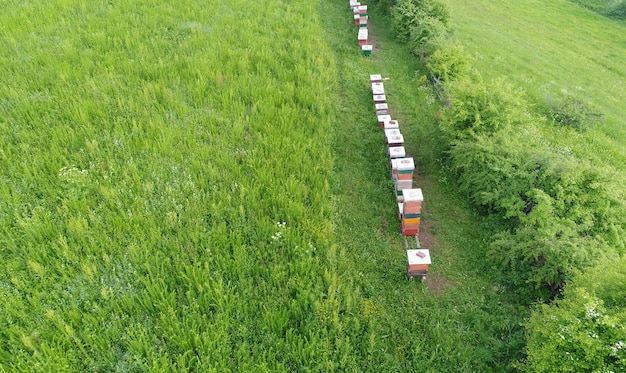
615	9
586	330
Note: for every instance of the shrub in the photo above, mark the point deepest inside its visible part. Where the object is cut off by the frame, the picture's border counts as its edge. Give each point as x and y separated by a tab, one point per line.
448	62
427	36
617	10
573	112
539	260
586	330
561	213
409	14
479	107
385	6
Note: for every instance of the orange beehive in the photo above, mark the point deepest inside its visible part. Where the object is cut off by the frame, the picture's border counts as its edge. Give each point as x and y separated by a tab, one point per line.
402	169
412	210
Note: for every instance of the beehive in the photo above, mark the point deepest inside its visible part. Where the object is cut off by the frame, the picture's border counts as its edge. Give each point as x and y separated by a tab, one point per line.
403	185
366	50
391	124
381	109
376	78
396	152
395	140
406	165
363	10
362	36
418	262
379	99
362	21
412	210
404	169
378	88
392	132
357	20
382	119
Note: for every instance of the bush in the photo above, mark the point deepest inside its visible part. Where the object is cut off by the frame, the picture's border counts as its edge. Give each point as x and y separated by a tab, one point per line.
448	62
586	330
573	112
411	15
539	260
561	213
617	11
479	108
427	36
384	6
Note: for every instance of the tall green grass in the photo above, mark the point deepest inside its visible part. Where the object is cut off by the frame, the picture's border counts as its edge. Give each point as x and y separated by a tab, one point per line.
164	196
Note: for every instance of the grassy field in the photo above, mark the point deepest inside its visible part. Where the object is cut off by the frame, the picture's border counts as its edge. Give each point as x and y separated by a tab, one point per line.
551	50
164	202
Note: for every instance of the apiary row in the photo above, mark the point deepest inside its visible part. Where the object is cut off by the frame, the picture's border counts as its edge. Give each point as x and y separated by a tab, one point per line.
408	198
360	19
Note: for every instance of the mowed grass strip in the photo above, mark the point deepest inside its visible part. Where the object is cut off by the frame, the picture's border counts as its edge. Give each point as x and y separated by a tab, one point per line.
164	203
460	319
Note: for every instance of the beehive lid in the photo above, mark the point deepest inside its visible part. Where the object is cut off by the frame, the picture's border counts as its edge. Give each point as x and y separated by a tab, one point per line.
391	124
376	78
397	152
395	139
383	118
405	164
413	195
380	98
392	132
367	47
381	106
362	33
419	256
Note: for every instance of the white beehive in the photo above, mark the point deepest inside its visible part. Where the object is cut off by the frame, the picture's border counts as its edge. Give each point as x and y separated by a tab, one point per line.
396	152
